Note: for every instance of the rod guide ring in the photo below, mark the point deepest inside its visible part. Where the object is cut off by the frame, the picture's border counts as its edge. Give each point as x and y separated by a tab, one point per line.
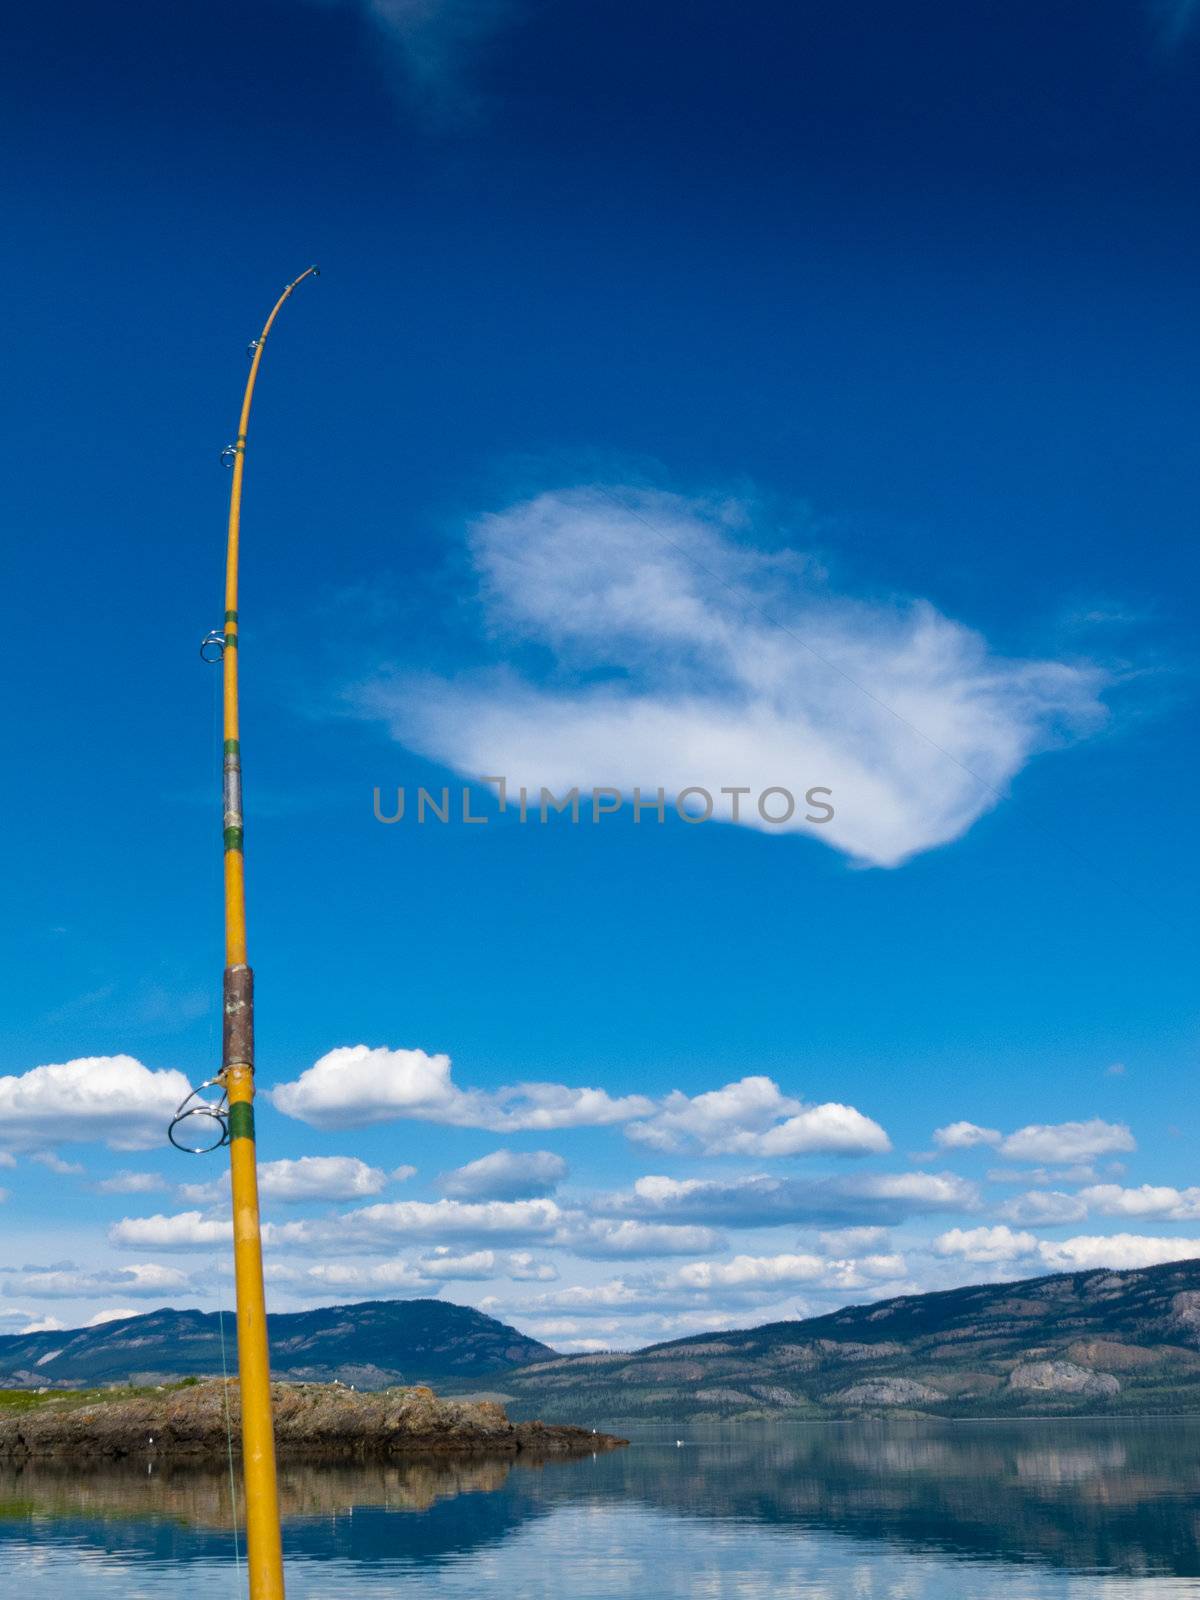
216	1111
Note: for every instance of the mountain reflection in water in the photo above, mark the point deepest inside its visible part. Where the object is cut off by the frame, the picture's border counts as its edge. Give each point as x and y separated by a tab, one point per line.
760	1509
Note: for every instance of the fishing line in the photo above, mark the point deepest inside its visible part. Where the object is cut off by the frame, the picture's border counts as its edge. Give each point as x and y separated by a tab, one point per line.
237	1555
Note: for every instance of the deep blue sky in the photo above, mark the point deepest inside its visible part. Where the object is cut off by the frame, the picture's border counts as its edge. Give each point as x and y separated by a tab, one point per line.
915	283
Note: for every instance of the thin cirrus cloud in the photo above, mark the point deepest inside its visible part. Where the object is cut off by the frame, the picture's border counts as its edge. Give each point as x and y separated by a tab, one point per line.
1042	1141
1175	19
685	656
428	48
505	1175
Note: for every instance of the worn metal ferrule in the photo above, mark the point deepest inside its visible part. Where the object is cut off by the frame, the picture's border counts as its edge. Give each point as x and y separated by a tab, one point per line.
237	1035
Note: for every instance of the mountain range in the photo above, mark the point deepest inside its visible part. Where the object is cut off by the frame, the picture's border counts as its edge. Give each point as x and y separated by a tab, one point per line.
372	1345
1096	1341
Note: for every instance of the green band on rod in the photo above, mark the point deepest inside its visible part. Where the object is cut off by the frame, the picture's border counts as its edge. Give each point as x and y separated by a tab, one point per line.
241	1120
233	839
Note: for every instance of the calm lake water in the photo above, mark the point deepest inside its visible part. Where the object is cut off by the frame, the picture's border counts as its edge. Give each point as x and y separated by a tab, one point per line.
824	1512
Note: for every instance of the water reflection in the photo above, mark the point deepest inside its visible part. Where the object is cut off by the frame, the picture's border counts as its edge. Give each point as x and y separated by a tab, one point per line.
1095	1496
865	1509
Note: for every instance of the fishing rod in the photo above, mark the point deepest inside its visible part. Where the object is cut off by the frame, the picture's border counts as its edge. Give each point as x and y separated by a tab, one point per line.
234	1112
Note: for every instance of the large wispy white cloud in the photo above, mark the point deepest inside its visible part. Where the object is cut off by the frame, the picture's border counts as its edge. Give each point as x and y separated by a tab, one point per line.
684	655
110	1099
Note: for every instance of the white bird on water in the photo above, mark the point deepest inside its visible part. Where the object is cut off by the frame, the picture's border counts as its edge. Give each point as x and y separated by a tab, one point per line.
679	1444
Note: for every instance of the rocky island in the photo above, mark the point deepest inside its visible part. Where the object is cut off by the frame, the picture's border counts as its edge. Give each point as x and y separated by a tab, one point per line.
313	1421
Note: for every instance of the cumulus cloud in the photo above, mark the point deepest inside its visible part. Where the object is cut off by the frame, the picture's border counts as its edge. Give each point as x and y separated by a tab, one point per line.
131	1183
1041	1207
421	1221
114	1099
1067	1141
686	656
753	1272
309	1178
44	1325
366	1277
984	1245
588	1299
1118	1250
849	1241
185	1230
113	1314
754	1118
53	1162
1148	1200
765	1201
505	1175
52	1283
964	1136
319	1178
601	1237
443	1263
1073	1143
524	1267
356	1084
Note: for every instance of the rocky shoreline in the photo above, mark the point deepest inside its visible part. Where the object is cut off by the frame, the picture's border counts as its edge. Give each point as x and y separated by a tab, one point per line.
313	1421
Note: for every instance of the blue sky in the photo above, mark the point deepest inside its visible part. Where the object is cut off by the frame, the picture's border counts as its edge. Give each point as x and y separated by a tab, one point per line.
795	399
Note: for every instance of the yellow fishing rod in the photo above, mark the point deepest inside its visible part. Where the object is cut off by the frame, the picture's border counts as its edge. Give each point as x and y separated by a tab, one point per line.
235	1112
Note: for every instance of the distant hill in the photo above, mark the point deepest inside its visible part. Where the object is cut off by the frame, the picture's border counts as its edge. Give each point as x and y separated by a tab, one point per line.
372	1344
1077	1342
